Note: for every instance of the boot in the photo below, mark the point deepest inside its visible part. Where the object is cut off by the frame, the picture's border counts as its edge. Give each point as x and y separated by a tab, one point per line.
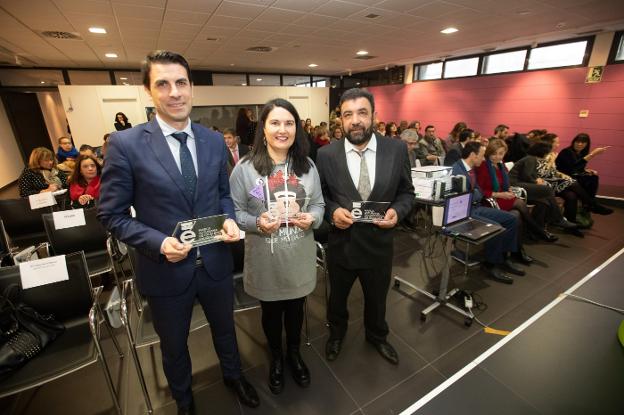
300	372
276	372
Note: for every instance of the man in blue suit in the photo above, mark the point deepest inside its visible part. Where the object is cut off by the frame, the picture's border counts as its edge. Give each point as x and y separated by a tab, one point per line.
497	248
172	170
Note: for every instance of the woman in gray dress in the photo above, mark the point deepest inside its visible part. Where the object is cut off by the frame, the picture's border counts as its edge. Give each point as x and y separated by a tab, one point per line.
278	201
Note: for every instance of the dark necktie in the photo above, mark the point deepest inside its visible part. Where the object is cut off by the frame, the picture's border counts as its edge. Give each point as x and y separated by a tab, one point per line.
186	164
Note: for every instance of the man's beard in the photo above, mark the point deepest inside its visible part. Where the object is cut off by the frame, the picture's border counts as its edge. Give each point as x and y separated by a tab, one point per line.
359	137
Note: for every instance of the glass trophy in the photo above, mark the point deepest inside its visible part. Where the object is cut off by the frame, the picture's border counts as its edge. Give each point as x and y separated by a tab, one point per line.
287	206
200	231
368	211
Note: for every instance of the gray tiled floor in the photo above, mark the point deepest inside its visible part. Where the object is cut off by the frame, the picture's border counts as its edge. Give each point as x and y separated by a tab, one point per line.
359	382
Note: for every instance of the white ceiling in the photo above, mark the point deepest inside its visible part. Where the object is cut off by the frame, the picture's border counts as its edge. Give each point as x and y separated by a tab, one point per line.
325	32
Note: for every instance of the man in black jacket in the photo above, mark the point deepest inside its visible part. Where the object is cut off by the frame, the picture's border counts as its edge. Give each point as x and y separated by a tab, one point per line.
364	167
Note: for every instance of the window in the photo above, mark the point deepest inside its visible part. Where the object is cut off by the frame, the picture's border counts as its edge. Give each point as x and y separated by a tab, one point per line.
31	77
128	78
320	81
430	71
232	79
89	77
461	67
563	54
619	55
264	80
296	80
504	62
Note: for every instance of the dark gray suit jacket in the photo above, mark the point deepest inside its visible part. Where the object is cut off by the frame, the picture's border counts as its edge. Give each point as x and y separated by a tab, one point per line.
364	245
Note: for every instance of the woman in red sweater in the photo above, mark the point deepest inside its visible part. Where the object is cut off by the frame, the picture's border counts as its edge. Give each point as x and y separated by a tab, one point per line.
493	179
84	188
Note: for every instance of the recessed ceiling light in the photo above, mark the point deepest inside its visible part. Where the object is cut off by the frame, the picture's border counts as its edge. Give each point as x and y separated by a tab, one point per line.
361	52
111	55
243	84
123	78
449	30
312	65
43	82
231	64
99	30
259	79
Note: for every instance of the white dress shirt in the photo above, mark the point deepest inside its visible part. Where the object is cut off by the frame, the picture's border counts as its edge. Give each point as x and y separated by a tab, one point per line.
354	160
174	144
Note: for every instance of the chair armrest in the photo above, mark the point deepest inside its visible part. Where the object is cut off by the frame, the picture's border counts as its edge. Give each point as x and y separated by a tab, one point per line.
492	202
94	311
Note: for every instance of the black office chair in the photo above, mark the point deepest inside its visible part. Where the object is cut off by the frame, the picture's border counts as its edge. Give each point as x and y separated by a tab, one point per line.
21	225
90	238
140	326
74	303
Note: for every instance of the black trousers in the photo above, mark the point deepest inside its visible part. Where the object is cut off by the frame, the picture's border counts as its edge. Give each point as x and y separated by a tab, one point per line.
291	311
375	283
571	195
589	183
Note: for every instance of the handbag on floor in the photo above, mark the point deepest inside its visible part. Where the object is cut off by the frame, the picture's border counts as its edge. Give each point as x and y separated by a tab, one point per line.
24	332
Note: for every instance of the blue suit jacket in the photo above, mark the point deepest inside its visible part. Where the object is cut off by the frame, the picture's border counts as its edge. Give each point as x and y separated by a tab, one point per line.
140	171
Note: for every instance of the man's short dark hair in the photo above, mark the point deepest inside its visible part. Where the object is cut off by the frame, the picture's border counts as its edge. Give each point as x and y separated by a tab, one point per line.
465	135
355	93
540	149
163	57
428	127
500	128
470	147
85	147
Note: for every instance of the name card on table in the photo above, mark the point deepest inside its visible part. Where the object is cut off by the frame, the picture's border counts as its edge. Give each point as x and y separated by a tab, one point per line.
68	219
41	200
43	271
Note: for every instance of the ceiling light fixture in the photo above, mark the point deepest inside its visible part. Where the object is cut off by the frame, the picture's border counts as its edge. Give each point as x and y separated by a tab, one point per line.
43	82
361	52
312	65
111	55
123	78
98	30
259	79
243	84
449	30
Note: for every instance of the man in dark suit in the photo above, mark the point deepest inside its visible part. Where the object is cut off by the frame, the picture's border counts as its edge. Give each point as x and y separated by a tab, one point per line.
172	170
237	150
370	167
497	248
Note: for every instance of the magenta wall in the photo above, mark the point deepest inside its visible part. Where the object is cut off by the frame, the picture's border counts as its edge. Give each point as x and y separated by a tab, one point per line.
548	99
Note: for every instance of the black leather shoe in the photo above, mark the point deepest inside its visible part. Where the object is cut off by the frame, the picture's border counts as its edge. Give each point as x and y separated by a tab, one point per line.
601	210
246	393
332	349
576	232
187	410
298	368
548	237
522	257
386	351
496	274
276	374
564	224
512	268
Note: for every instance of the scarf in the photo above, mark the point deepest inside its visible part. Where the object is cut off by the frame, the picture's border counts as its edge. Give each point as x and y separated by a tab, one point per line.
492	170
51	177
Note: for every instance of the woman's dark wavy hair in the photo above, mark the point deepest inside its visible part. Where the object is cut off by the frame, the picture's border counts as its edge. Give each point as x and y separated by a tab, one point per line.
583	138
297	153
125	119
76	176
540	149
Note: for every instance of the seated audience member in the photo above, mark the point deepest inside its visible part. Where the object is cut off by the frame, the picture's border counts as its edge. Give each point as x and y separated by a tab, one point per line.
501	131
493	180
86	150
536	135
563	185
430	149
391	130
237	150
524	174
66	150
453	136
410	137
321	136
484	140
518	145
100	151
572	161
381	129
415	125
498	247
41	175
245	126
84	187
336	133
121	122
454	153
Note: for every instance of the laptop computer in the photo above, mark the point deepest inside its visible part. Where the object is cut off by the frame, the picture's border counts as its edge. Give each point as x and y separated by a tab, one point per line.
457	220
